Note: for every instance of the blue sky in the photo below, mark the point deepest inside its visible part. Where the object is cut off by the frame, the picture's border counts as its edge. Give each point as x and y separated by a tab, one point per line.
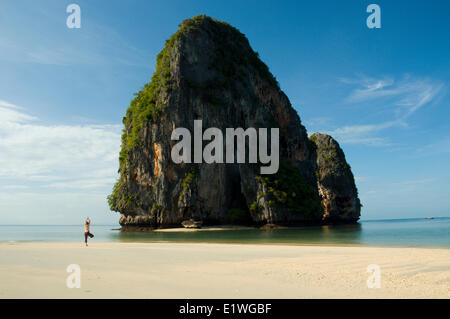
382	93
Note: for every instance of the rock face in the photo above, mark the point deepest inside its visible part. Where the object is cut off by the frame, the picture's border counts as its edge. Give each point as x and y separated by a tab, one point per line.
191	224
208	71
335	181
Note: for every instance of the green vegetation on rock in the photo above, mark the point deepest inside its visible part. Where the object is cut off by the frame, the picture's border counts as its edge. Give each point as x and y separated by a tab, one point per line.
255	208
119	199
288	189
188	179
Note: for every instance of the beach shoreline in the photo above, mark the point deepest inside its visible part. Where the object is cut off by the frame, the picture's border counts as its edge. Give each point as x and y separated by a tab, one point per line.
213	270
225	243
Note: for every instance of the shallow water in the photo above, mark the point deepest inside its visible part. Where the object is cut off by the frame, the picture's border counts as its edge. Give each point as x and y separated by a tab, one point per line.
398	232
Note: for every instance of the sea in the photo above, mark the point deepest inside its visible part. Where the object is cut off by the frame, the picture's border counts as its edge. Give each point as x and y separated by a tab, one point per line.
416	232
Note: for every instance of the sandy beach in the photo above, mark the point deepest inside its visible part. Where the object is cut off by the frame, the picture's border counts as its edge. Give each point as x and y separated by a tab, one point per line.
169	270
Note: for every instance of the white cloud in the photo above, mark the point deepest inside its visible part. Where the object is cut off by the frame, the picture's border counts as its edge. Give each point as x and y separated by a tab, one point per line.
370	88
55	174
419	94
414	182
362	134
55	156
402	98
407	94
10	113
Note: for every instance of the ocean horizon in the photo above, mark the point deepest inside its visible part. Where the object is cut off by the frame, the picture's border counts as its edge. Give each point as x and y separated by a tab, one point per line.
406	232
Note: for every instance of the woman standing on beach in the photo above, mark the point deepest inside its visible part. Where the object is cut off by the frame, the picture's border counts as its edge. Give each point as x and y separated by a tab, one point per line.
87	223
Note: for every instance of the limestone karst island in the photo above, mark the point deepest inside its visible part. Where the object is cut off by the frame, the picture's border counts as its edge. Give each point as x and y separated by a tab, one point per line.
208	71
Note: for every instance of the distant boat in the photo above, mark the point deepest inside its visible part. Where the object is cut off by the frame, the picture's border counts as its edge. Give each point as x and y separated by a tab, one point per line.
429	217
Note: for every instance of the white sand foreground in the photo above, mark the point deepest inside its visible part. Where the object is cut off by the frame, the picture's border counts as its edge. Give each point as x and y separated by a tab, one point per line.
171	270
